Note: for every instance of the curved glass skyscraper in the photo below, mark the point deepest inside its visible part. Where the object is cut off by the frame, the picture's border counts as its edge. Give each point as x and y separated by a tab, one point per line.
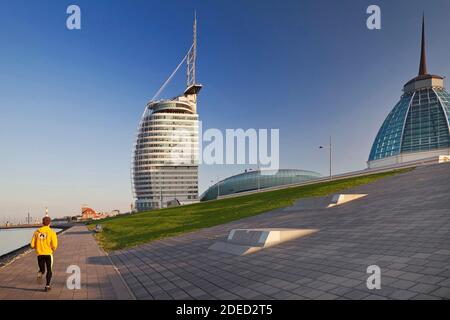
418	126
165	155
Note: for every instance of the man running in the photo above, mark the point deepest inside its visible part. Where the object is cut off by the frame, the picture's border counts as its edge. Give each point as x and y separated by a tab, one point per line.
45	242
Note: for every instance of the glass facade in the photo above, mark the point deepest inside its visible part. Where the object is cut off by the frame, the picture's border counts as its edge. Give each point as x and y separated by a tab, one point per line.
444	98
254	180
426	126
388	141
419	122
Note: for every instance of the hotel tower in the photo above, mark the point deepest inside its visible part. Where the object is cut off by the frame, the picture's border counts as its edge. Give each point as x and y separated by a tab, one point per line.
164	169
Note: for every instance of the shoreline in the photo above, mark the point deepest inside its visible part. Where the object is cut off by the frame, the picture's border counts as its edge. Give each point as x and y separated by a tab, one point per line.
20	226
55	224
12	256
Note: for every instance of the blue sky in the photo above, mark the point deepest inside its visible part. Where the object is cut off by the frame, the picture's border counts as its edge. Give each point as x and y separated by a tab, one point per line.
70	101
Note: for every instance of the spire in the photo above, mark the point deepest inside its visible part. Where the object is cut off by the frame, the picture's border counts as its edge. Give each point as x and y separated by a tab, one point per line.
423	57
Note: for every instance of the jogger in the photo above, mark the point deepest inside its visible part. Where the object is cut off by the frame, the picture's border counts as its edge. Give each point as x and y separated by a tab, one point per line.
45	242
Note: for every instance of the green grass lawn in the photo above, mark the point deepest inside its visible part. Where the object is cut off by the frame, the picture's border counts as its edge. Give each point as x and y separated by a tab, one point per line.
131	230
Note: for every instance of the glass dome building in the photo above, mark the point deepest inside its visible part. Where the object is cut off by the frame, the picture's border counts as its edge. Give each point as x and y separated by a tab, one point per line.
254	180
418	126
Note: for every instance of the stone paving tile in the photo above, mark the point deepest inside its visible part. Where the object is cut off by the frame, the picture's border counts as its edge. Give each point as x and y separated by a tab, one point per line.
327	296
356	294
431	279
411	276
441	292
445	283
375	297
402	284
425	297
403	294
424	288
402	226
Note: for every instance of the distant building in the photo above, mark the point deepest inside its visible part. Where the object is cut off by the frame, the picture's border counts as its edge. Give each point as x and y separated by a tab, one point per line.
254	180
418	126
89	214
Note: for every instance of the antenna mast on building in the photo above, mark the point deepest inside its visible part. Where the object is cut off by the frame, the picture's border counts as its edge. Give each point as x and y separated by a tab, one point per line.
190	59
192	56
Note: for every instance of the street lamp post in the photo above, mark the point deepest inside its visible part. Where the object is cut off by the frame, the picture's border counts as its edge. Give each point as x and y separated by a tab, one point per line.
218	187
330	148
258	172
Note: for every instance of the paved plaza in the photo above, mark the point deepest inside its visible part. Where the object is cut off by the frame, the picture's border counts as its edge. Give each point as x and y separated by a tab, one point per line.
402	226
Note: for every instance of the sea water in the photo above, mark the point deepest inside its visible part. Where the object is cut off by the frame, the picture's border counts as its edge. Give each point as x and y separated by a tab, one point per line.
13	239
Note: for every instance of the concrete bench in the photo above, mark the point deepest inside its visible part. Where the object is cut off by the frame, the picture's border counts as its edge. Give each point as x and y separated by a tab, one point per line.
246	241
323	202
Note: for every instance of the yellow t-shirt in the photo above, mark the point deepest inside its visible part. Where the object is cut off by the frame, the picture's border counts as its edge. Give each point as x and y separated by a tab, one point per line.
44	241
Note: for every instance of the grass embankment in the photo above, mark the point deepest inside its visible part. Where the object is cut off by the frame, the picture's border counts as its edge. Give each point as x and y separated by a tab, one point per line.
131	230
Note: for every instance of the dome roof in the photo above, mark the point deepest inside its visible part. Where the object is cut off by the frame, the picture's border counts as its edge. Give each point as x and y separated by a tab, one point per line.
419	122
254	180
